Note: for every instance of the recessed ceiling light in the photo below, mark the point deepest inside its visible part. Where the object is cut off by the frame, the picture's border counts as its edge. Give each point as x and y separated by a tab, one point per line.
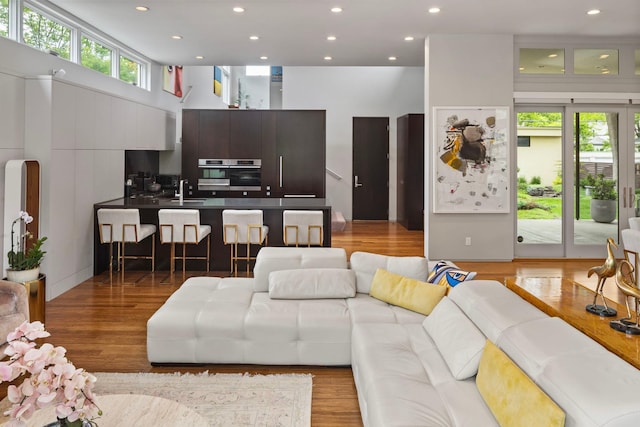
408	39
176	37
142	8
521	68
434	10
553	55
604	56
392	58
199	57
264	58
331	38
254	37
336	9
605	71
593	12
328	58
238	9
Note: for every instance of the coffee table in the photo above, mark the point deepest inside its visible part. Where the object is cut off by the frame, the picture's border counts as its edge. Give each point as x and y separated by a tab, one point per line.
133	410
567	299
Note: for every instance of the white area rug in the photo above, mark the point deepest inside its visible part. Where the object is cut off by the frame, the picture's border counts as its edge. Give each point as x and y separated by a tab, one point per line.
227	400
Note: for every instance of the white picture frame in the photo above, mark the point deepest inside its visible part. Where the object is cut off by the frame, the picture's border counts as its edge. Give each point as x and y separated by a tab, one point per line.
471	165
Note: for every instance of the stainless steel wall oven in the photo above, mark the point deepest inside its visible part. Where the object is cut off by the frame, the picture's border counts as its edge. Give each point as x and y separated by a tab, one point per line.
229	174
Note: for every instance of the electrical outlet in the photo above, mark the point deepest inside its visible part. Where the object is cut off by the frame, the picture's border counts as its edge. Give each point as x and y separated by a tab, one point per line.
467	241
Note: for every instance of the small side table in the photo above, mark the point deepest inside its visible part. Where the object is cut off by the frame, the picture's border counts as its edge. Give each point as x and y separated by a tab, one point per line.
36	292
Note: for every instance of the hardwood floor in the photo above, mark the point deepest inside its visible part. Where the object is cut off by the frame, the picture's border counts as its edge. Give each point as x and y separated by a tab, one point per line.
103	327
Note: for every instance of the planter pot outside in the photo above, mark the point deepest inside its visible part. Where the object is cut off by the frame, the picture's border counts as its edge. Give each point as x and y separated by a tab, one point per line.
603	210
22	276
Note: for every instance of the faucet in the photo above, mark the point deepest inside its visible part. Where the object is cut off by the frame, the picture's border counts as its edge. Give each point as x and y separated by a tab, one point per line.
181	193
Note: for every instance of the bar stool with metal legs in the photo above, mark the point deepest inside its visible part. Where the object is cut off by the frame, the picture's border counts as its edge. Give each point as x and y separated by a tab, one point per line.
123	226
302	228
246	227
183	226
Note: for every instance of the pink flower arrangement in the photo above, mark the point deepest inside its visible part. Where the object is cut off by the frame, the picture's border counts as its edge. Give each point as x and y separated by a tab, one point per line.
53	380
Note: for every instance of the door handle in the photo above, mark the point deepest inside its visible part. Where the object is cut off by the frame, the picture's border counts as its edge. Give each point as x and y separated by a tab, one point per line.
356	183
632	197
624	197
280	171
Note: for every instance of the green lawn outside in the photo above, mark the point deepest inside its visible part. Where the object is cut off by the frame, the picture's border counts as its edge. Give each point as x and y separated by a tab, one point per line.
550	207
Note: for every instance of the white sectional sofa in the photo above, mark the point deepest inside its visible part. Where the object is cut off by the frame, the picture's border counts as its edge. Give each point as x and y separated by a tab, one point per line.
409	369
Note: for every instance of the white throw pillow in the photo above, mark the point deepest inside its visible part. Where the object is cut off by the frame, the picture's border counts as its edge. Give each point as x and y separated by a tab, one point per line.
312	283
365	264
459	341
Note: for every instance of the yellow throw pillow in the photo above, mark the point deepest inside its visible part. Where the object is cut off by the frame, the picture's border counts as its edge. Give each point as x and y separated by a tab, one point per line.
513	398
411	294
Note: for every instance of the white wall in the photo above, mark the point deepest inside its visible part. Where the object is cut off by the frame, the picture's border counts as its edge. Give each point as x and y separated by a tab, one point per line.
347	92
78	128
478	71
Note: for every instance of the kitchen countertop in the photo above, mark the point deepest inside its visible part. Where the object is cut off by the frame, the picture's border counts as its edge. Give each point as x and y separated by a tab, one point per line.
218	203
211	214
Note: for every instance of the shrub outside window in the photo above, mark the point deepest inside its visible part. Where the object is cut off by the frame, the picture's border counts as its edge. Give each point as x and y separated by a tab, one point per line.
4	18
130	70
95	55
45	34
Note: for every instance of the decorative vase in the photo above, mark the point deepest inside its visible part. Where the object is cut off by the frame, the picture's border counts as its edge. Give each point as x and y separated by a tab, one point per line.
63	422
22	276
603	210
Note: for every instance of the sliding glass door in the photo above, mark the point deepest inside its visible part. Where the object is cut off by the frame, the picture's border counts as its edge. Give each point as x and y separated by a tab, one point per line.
577	174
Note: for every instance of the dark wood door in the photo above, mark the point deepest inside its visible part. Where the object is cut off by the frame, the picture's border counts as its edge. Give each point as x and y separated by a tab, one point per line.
214	134
301	143
245	134
370	168
410	178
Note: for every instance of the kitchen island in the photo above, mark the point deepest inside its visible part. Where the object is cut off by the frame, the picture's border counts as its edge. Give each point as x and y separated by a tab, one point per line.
211	214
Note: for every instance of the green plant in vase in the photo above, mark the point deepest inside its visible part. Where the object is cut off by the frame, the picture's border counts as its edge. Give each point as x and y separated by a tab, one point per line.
20	258
603	199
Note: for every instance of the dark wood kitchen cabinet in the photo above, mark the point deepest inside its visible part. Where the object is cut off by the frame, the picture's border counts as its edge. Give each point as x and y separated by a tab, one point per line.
213	142
245	134
293	153
290	143
300	152
190	137
410	202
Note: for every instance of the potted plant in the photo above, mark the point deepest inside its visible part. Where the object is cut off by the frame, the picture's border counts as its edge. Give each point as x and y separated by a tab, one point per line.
24	264
588	182
603	199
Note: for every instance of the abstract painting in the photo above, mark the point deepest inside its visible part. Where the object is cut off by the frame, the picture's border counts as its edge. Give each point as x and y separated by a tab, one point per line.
172	79
217	81
471	159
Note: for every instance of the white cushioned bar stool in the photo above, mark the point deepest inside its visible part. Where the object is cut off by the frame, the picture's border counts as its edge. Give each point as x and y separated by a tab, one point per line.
243	227
302	228
183	226
123	226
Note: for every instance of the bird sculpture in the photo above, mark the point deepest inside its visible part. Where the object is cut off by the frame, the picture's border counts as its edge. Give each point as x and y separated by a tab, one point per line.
625	279
606	270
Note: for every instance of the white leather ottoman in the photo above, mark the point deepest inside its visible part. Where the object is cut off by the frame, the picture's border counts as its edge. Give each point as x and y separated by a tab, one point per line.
213	320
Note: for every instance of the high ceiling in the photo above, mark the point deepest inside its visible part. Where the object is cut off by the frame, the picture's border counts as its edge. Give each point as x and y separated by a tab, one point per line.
368	32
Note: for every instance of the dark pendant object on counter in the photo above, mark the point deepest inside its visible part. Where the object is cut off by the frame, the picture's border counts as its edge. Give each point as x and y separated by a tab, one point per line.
63	422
